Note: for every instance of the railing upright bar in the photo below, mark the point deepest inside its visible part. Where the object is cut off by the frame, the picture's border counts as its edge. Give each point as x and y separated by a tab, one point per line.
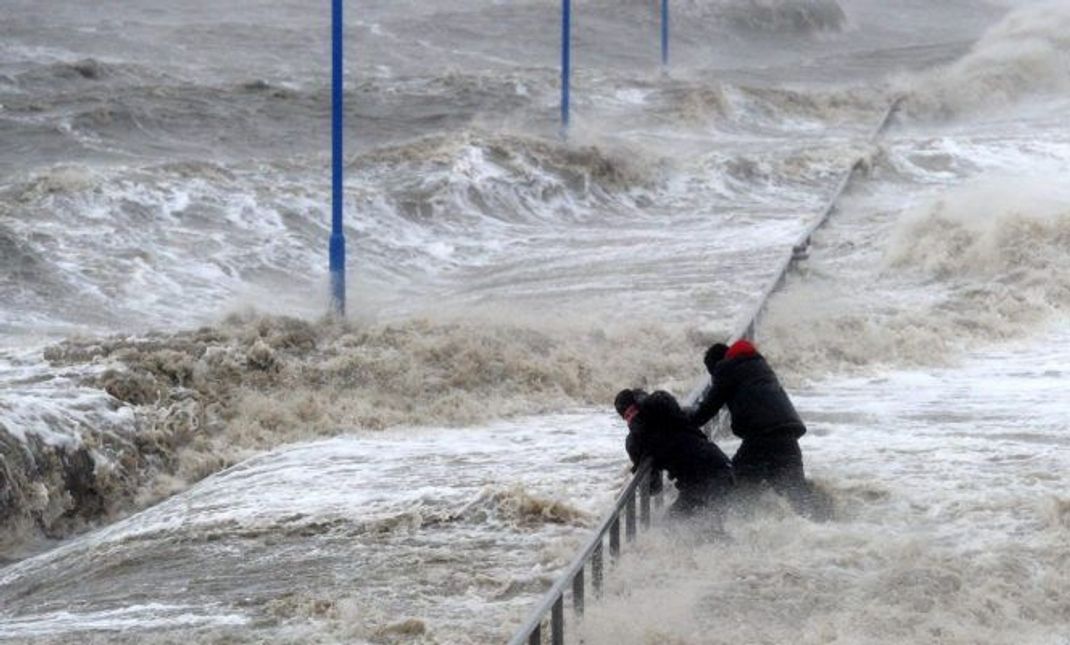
659	497
596	569
644	504
577	593
557	622
629	519
614	538
592	550
536	636
800	250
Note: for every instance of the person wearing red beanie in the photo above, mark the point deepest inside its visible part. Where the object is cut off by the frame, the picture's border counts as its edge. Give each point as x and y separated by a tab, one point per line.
762	416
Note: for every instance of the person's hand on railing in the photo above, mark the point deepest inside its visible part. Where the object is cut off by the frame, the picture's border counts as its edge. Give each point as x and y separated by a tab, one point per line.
656	482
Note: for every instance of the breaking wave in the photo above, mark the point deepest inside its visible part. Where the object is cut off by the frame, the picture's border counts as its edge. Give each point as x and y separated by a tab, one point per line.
776	105
516	507
1026	54
182	230
1012	231
707	102
504	176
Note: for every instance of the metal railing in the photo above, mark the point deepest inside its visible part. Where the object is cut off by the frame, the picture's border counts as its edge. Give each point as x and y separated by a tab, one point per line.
801	249
593	552
553	602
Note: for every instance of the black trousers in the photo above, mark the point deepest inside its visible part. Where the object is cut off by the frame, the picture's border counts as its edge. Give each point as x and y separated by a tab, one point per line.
778	462
711	495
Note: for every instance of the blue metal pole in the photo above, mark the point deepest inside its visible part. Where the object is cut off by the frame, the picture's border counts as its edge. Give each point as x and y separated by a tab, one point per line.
338	240
665	33
566	64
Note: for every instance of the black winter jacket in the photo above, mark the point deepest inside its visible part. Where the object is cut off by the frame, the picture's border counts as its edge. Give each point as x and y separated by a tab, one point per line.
662	431
759	406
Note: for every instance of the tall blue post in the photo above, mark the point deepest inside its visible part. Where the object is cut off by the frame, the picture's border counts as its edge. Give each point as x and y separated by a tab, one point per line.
566	62
338	240
665	33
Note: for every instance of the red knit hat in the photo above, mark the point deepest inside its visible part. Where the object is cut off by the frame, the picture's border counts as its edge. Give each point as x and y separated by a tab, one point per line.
741	348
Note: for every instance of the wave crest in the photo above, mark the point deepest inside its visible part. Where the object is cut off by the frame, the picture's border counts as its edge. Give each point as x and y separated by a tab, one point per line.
1026	54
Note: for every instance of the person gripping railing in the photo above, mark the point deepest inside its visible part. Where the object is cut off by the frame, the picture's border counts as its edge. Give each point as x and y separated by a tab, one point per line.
637	492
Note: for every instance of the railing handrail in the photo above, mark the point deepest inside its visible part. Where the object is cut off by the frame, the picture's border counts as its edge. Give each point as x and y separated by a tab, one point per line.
594	543
552	600
749	325
802	244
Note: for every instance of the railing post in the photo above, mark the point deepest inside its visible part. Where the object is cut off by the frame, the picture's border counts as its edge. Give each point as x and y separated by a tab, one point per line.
629	518
557	622
614	538
596	570
536	636
566	62
644	503
577	593
659	498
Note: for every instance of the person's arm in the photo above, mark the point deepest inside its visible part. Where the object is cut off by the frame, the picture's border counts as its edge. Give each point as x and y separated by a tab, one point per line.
712	400
634	445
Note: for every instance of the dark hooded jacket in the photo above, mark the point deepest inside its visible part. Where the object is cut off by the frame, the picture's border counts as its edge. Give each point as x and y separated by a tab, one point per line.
759	406
660	429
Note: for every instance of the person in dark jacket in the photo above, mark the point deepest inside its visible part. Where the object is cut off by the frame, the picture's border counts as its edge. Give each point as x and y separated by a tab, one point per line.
762	416
627	406
658	427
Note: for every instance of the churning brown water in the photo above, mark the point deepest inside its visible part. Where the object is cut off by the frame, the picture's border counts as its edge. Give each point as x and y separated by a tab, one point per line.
189	453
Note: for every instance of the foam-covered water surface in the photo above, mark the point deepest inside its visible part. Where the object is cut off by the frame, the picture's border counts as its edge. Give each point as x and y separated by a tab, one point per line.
311	539
189	451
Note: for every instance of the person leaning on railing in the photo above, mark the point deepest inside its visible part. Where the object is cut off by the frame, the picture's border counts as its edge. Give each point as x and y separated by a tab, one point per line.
658	428
627	405
762	416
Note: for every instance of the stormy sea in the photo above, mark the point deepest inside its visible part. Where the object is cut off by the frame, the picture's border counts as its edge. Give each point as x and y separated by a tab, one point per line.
192	451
